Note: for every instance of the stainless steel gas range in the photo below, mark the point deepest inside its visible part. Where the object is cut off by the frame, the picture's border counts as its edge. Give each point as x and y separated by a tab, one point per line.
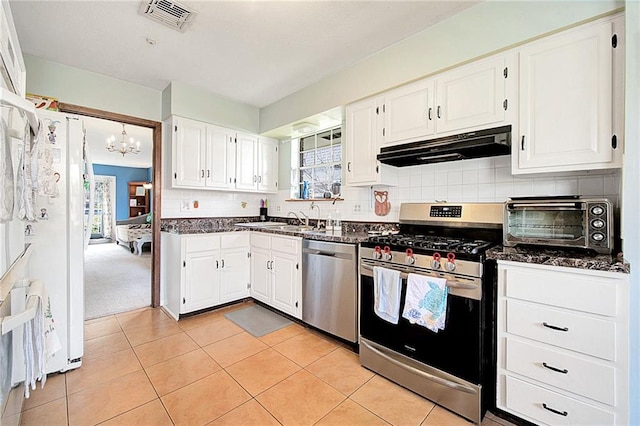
454	367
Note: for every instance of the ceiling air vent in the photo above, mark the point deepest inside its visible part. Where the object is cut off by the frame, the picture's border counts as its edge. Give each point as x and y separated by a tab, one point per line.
170	13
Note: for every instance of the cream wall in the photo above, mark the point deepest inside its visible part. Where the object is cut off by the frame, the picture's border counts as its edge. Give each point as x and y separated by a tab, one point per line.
483	29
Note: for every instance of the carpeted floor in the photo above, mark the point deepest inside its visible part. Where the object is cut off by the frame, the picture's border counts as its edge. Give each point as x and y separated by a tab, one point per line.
115	280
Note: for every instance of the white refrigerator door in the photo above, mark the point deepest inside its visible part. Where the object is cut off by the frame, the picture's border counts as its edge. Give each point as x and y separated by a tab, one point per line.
58	244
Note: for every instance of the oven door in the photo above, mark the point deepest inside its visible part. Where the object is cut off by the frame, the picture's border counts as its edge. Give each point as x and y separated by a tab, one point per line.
456	350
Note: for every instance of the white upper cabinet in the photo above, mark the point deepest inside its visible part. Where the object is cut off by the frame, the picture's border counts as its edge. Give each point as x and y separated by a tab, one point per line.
211	157
220	158
267	161
362	145
470	97
189	153
408	112
571	101
246	168
13	76
256	163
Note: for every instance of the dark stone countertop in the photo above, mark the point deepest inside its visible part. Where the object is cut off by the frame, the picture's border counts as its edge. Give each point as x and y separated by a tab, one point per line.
353	233
559	257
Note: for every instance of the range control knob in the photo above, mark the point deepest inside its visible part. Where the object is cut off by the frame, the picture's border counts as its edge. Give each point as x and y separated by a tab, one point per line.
386	255
597	210
409	260
450	265
597	223
597	236
435	262
377	254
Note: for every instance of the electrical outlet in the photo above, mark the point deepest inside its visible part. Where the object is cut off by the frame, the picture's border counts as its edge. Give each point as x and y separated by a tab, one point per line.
278	208
357	208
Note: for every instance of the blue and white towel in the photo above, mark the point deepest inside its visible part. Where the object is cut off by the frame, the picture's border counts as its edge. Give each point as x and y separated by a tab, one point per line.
426	301
386	290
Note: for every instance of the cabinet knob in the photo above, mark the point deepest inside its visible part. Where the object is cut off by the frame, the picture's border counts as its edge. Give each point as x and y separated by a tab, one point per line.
349	166
438	111
522	143
429	113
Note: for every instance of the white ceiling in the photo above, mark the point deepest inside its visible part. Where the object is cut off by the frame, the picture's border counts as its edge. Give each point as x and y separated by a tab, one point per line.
255	52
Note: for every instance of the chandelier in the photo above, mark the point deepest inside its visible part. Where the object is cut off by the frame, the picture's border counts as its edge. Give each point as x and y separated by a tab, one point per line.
132	148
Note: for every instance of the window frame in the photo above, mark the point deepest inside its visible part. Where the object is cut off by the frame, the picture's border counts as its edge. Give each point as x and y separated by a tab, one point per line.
297	170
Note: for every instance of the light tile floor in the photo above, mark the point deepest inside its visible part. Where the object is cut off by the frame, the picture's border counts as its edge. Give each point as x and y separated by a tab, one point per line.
144	368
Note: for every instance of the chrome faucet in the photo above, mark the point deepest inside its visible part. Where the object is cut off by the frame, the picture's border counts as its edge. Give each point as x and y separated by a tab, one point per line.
313	204
302	222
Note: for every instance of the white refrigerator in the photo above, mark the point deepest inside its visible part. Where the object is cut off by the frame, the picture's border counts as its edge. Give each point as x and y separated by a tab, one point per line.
58	237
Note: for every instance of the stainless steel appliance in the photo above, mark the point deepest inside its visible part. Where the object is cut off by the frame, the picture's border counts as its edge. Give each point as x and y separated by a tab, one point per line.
477	144
574	222
329	287
454	367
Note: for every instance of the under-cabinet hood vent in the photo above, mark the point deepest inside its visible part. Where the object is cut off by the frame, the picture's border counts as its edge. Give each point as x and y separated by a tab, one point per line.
478	144
170	13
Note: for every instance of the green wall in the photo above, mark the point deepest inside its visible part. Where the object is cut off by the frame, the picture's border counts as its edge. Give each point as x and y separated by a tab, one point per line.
79	87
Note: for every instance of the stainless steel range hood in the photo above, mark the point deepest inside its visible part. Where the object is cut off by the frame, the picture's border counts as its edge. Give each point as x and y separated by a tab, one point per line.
478	144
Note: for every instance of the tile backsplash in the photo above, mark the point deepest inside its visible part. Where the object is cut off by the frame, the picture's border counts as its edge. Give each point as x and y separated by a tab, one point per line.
478	180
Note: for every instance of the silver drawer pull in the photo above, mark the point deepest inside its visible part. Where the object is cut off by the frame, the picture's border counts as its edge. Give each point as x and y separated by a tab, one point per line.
560	413
553	327
558	370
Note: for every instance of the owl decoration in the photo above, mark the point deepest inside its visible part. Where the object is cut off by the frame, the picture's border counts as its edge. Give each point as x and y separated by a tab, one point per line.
382	204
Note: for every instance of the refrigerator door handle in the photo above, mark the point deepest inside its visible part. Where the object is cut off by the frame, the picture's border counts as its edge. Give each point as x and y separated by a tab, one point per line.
92	189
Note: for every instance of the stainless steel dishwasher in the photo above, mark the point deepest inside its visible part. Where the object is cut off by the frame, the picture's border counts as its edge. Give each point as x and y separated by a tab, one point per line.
329	287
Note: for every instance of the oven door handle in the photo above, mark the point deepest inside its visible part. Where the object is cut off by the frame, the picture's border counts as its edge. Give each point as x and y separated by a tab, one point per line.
450	284
439	380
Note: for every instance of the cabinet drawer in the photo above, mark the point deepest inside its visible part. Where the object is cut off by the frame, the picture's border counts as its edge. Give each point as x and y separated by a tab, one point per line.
576	332
583	377
234	240
286	245
260	240
530	400
568	290
201	243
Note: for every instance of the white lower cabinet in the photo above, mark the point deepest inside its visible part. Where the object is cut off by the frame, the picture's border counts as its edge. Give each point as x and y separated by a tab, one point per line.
199	271
562	344
276	274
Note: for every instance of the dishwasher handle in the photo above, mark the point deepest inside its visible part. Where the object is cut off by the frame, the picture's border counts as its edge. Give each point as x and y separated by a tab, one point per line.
327	253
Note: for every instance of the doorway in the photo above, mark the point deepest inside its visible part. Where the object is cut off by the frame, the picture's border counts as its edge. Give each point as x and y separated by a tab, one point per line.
156	127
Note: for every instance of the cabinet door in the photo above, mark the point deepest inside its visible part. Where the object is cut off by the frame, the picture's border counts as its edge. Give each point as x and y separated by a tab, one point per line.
471	96
221	158
362	142
234	274
189	149
246	154
565	100
408	112
202	280
267	165
261	276
286	268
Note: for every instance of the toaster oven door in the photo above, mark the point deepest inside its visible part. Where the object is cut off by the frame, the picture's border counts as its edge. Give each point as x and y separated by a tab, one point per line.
558	224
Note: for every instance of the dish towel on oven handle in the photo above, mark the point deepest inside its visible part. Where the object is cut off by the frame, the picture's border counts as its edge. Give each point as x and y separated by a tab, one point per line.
387	287
426	301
